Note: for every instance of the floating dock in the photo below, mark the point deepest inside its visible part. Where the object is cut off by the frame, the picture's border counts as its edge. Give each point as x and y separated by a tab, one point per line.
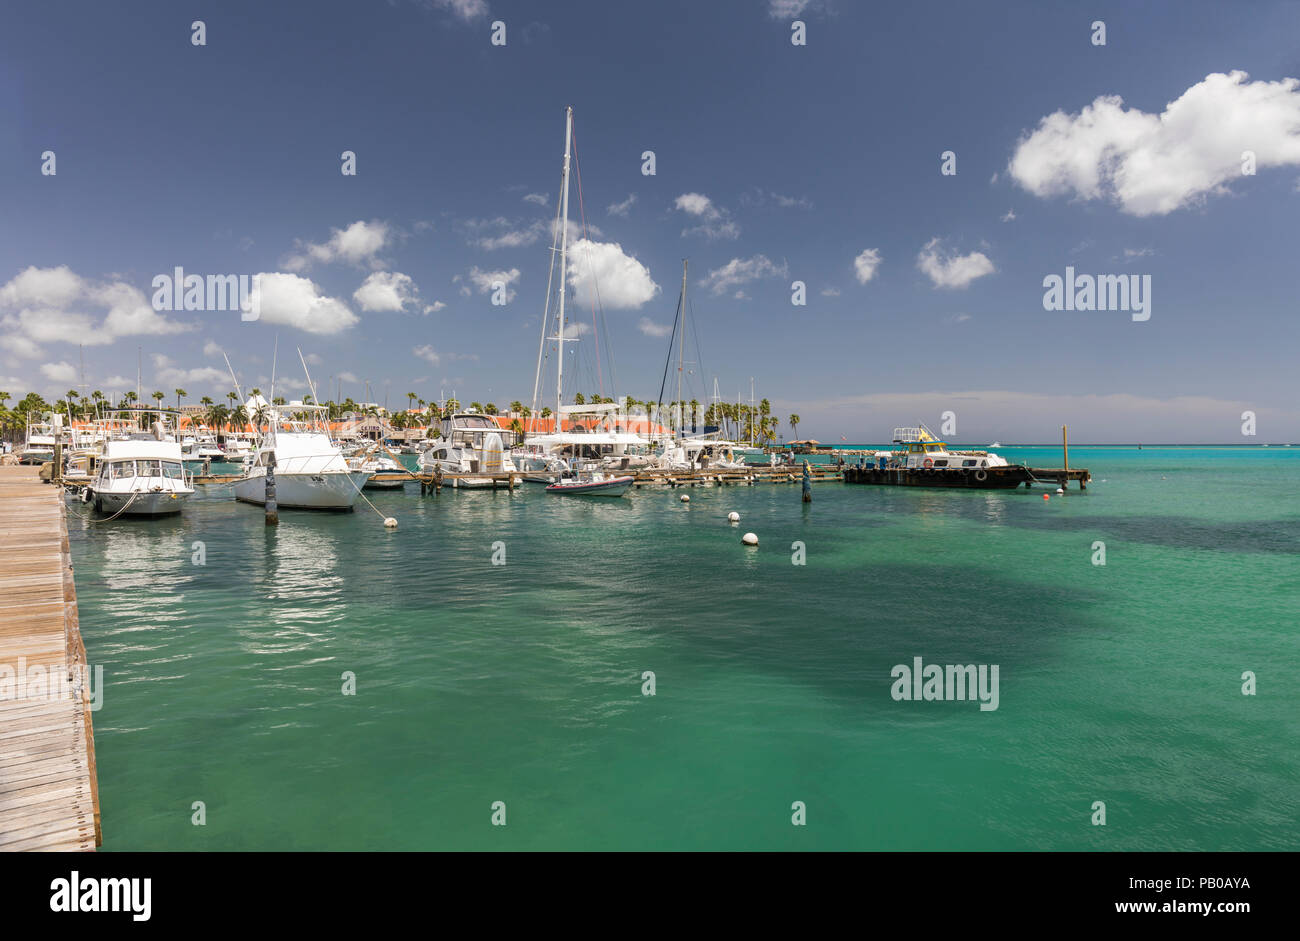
49	796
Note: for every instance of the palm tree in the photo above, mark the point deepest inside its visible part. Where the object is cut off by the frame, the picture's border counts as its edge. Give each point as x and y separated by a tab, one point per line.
490	408
579	399
475	406
516	407
793	421
180	394
410	400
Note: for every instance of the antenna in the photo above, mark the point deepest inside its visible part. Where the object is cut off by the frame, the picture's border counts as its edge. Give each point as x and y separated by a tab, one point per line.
232	373
275	353
310	384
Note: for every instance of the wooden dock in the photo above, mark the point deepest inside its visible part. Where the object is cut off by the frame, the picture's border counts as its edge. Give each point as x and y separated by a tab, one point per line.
49	798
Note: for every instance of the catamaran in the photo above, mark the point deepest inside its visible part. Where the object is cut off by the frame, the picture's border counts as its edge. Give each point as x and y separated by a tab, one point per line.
310	472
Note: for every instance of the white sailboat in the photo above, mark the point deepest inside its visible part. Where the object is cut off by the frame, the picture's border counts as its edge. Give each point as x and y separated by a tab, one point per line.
576	481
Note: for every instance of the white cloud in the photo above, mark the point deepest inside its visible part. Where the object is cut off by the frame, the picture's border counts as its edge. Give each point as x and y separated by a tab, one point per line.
386	291
484	280
740	271
467	10
576	328
434	307
621	209
297	302
427	353
602	271
170	376
865	265
715	223
830	292
114	383
357	244
492	234
697	204
1153	164
652	329
20	346
36	301
1138	252
348	377
786	9
59	372
540	199
952	271
211	348
1009	216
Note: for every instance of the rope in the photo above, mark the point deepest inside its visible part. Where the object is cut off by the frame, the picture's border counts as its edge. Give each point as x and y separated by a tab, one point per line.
363	497
125	507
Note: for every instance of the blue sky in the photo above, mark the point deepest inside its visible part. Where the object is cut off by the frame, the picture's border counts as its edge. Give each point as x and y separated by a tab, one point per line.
774	163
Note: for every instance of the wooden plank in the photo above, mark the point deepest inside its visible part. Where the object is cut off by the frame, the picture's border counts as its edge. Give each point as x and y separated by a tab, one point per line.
48	792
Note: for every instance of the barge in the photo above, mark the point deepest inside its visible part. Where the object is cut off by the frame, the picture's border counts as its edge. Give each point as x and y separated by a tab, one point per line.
922	460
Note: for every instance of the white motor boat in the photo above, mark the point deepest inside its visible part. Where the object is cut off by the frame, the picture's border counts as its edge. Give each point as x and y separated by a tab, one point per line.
140	476
39	444
471	445
388	473
310	472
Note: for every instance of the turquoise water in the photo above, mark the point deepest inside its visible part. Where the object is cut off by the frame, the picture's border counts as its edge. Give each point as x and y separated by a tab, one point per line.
522	682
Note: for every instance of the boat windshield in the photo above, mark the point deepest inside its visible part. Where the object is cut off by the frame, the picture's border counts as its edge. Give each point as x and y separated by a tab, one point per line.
147	469
172	469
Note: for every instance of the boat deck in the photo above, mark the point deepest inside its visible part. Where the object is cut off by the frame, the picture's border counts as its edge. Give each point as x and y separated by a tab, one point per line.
49	796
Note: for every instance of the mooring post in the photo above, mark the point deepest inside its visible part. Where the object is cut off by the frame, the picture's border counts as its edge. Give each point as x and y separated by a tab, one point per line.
1065	451
807	483
437	480
272	509
56	472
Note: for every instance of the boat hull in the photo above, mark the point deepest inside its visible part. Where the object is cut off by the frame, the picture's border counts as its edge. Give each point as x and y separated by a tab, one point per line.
304	491
978	478
613	487
146	503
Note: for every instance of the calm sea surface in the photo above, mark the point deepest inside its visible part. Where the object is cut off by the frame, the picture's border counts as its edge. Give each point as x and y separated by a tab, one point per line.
522	682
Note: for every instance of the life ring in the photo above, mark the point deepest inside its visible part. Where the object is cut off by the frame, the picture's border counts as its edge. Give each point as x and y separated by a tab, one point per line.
965	471
928	463
981	475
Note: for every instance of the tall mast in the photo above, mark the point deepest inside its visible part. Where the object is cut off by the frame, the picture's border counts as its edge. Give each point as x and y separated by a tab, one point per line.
564	245
681	353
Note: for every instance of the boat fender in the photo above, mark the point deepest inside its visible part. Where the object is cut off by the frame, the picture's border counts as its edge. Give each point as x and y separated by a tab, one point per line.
685	498
87	495
749	539
981	475
733	517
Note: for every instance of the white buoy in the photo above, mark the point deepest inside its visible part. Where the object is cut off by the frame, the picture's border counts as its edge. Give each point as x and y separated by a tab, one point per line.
749	539
733	517
390	522
685	498
1060	490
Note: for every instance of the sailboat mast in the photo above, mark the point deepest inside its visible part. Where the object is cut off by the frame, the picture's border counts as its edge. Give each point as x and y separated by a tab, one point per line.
681	353
564	245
